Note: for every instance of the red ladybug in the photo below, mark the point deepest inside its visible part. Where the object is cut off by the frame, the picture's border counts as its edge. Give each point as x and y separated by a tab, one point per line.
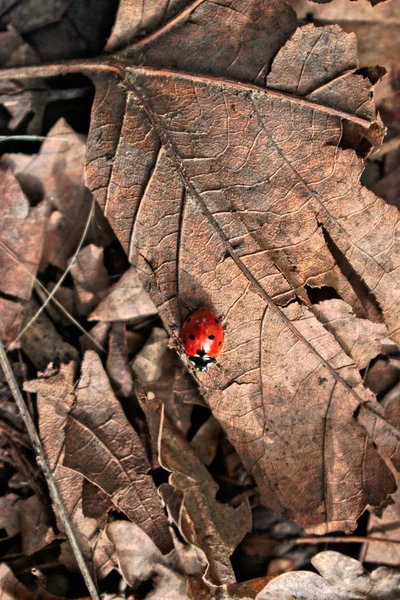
202	335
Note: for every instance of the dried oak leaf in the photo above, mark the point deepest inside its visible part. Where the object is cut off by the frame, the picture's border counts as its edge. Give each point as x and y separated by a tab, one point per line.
230	195
90	277
42	342
215	528
118	367
139	559
387	526
127	300
377	29
102	445
147	364
55	397
56	174
342	578
22	231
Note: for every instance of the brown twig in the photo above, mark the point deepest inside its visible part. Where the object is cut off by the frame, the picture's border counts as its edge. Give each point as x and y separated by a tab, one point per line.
350	539
43	463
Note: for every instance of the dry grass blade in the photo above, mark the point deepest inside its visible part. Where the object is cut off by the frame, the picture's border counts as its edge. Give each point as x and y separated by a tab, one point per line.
41	289
63	276
44	464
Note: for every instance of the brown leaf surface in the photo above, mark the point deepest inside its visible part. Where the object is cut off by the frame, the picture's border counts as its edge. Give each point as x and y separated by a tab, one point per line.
55	398
147	364
139	559
118	367
56	174
204	522
259	191
42	342
21	235
90	277
377	27
101	445
342	578
126	301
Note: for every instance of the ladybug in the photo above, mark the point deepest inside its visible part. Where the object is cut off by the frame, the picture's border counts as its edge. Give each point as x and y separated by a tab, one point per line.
202	335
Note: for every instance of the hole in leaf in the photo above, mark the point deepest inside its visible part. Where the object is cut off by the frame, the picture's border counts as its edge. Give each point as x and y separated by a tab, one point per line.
371	306
317	295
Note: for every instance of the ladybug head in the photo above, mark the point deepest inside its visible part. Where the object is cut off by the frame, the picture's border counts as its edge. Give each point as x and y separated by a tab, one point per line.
201	363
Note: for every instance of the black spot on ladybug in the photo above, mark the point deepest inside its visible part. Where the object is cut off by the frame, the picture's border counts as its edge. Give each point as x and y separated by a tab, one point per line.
192	337
211	337
219	343
201	352
217	321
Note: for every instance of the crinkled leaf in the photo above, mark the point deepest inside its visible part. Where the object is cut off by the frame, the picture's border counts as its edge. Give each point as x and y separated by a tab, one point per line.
55	397
204	522
241	198
102	445
342	578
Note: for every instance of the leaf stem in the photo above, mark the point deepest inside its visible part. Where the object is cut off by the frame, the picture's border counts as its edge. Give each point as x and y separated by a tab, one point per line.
43	463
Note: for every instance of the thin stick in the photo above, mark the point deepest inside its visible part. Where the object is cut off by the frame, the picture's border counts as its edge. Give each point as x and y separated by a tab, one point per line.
43	463
63	276
351	539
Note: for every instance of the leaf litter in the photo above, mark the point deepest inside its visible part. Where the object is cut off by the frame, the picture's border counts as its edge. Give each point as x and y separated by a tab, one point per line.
231	180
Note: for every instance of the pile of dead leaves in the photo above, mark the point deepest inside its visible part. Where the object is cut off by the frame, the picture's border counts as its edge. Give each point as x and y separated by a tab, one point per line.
235	159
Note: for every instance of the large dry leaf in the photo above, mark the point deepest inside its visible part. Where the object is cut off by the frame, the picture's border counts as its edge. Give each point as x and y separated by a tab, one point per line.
240	198
101	445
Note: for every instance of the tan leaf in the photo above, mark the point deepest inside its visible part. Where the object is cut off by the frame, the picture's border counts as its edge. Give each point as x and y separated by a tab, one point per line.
147	364
360	338
90	277
36	526
21	236
204	522
55	397
101	445
42	342
190	32
118	367
205	441
11	320
175	388
56	174
377	27
9	514
342	578
140	560
261	199
126	301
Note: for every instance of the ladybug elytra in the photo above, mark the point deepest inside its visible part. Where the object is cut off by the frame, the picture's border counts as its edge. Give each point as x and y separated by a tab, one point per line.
202	335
